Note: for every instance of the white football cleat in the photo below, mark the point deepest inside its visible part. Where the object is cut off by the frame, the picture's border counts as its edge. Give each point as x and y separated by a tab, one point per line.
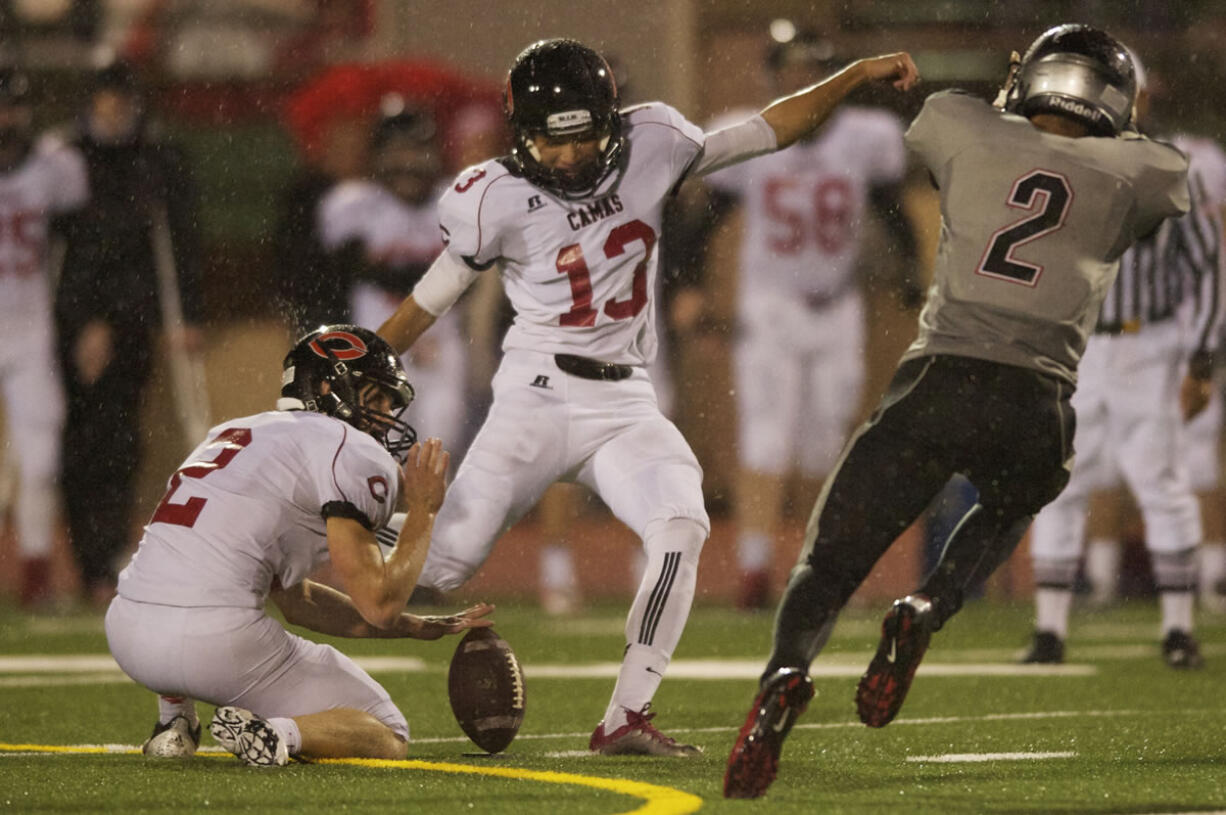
249	737
174	739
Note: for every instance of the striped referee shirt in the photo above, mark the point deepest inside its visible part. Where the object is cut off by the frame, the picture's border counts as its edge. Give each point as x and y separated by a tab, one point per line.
1178	267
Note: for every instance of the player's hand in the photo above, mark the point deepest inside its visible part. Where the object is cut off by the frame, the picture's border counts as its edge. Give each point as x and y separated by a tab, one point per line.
425	476
433	627
898	69
1194	396
93	351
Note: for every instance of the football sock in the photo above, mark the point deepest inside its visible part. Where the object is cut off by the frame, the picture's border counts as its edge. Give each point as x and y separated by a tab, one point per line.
557	568
1051	608
753	551
36	502
1053	597
171	706
1212	570
1175	577
1103	569
658	614
287	730
1176	611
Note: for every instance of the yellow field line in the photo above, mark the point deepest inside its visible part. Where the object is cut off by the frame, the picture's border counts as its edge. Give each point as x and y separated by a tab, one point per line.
658	800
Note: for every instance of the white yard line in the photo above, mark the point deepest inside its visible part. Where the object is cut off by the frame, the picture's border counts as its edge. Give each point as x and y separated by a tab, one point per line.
971	758
46	671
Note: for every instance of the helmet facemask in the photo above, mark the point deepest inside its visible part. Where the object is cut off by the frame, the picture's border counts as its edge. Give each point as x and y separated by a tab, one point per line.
583	180
386	425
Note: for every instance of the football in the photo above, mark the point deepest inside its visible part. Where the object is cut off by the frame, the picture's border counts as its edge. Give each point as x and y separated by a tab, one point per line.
486	688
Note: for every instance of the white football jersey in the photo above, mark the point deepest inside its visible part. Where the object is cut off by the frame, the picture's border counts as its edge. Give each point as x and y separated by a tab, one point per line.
804	206
51	180
248	507
391	231
579	274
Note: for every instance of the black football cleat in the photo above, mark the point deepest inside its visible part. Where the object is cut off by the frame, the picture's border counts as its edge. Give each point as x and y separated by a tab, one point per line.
754	760
1181	650
905	633
1046	649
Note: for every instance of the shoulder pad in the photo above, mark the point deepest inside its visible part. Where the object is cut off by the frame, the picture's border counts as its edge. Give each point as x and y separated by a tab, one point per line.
468	215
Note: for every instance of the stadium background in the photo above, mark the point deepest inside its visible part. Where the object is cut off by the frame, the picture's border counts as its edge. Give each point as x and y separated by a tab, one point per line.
226	104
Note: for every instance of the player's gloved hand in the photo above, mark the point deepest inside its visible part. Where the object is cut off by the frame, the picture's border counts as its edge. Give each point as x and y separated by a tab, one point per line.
433	627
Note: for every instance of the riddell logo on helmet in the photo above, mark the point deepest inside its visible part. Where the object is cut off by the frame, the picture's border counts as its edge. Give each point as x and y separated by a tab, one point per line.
342	345
1076	108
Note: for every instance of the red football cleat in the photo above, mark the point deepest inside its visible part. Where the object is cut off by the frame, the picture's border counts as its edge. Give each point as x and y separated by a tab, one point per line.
754	760
905	633
638	737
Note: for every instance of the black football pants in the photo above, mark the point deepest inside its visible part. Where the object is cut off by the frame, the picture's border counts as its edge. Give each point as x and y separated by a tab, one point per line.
1007	429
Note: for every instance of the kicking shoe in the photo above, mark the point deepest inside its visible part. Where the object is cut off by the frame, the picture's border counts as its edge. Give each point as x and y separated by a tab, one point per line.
1181	650
754	760
249	737
638	737
1046	649
176	738
904	639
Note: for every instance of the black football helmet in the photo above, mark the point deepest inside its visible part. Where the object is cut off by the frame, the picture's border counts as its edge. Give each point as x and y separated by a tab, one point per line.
349	359
1076	71
562	88
405	157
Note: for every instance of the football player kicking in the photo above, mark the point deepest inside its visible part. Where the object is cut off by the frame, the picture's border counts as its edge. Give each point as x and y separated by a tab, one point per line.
571	219
1038	201
262	502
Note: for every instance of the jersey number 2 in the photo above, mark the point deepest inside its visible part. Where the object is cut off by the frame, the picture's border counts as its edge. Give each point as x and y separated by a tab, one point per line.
1050	194
185	514
570	262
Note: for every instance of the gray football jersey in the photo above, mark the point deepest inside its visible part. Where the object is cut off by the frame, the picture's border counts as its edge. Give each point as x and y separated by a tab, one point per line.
1032	229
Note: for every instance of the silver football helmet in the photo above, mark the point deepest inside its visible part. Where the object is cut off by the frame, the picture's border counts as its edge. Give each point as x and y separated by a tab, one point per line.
1076	71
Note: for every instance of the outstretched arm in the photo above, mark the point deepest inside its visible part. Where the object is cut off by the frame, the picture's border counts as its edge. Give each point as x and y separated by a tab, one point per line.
794	117
437	291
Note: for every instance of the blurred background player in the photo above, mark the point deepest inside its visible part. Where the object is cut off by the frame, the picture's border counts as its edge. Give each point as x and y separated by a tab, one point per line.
108	311
571	221
1203	434
37	183
1147	369
380	234
800	336
984	390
